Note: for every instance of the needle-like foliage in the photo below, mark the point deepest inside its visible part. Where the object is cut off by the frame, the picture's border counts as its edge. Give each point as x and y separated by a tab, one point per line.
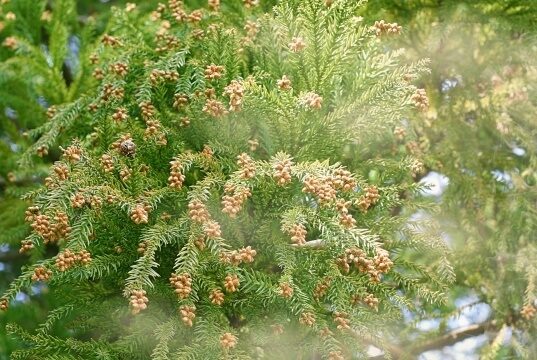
226	189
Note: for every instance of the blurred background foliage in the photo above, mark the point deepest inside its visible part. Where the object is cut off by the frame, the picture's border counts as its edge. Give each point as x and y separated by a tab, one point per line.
478	142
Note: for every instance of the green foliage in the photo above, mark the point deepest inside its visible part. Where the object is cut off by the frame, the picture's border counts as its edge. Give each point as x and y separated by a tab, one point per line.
168	167
136	218
480	133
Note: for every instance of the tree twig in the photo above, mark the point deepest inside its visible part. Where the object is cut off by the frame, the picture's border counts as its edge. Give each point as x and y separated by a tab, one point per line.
453	337
448	339
314	244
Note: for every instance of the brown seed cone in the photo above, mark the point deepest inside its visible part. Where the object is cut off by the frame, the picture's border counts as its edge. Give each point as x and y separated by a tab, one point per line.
139	214
371	301
119	68
286	290
200	243
214	5
26	245
61	227
198	212
420	99
228	341
217	297
251	3
321	187
107	163
284	83
247	254
231	283
312	100
180	101
4	304
213	72
298	234
342	320
233	199
324	332
307	318
147	109
110	40
78	200
336	355
41	274
528	311
30	213
297	44
235	91
120	115
61	171
42	151
253	143
212	229
42	226
182	284
321	288
176	178
73	154
138	301
384	28
282	171
382	261
188	314
247	166
65	260
347	221
84	257
215	108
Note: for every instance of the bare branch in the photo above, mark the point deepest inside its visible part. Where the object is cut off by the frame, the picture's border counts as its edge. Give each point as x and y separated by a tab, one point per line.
454	337
448	339
313	244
